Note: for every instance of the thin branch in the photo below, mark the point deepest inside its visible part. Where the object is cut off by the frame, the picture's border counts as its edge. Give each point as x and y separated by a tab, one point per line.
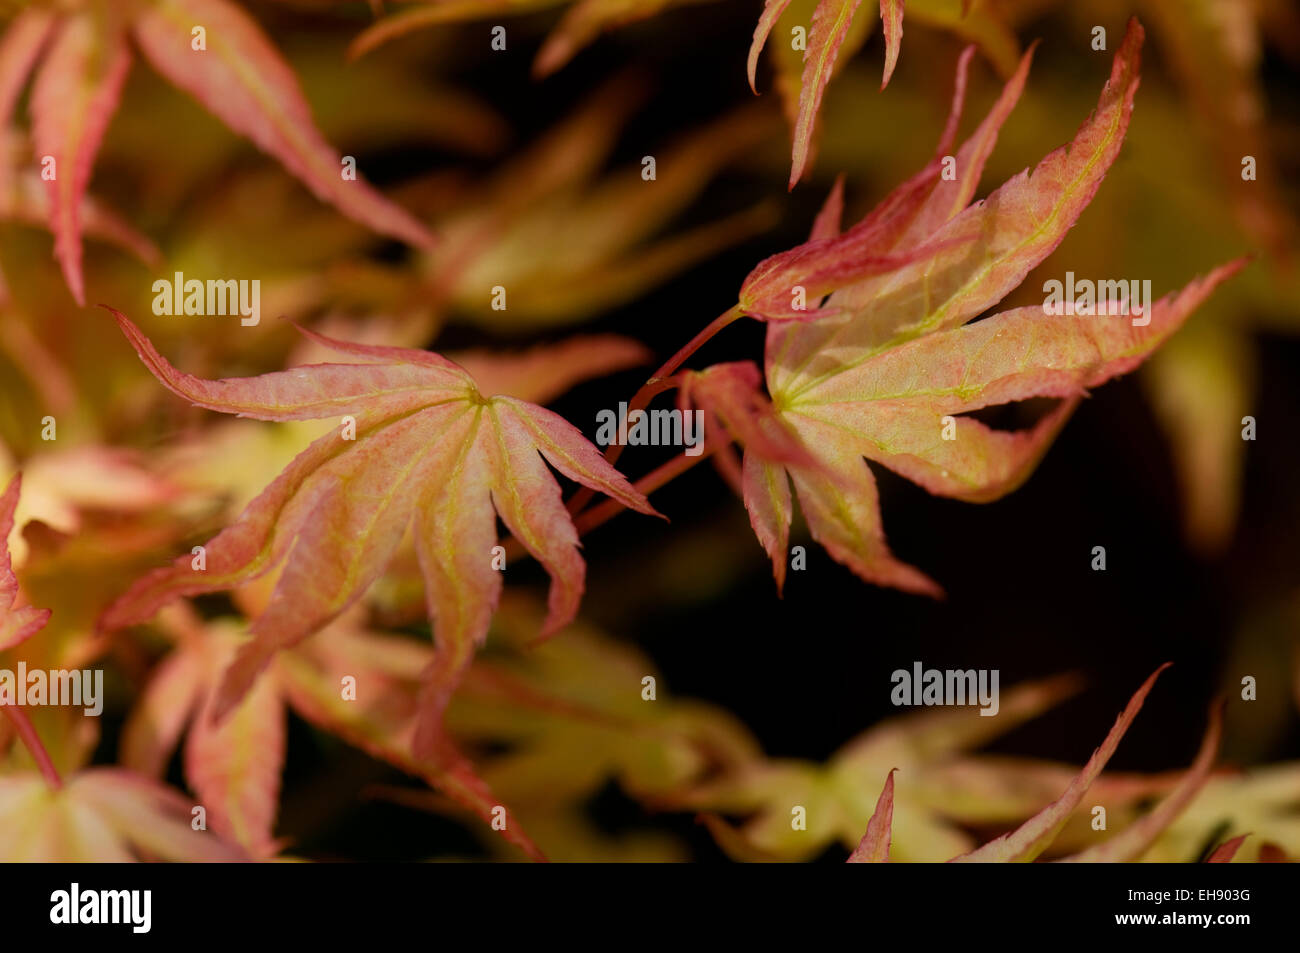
657	384
602	512
694	344
27	732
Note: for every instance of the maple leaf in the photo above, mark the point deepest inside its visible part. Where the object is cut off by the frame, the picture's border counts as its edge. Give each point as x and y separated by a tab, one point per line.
888	360
84	56
23	196
922	746
834	32
831	22
564	240
1190	144
799	104
101	815
567	245
921	811
1261	800
552	725
1035	835
62	485
384	717
426	446
548	725
235	767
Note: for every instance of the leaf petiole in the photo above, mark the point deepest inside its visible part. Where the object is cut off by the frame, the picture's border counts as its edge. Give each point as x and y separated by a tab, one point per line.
27	732
659	382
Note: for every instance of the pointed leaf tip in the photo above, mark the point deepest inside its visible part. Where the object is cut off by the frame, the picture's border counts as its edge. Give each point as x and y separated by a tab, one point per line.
830	26
772	10
891	19
874	847
827	222
77	89
1224	853
1132	842
1033	837
243	80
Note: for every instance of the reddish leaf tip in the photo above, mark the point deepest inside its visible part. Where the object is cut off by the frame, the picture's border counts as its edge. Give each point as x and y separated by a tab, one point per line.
1224	853
874	846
